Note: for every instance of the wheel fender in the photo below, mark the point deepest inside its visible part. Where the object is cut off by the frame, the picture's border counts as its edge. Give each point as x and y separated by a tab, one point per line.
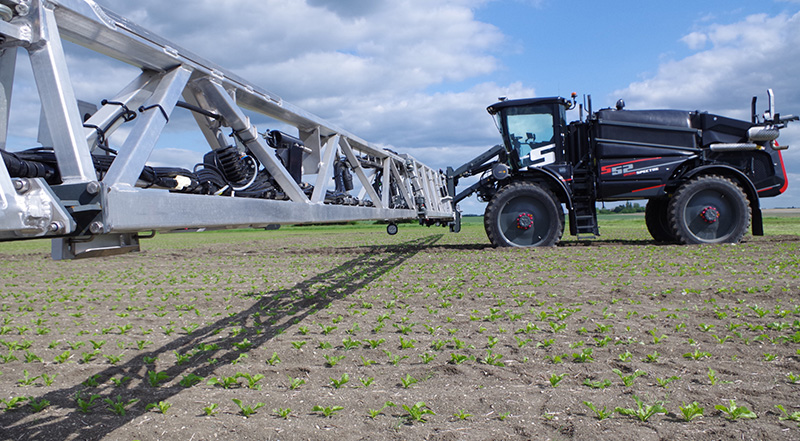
741	179
554	182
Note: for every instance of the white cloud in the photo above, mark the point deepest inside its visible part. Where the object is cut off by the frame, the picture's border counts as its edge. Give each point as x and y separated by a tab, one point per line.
745	59
695	40
297	49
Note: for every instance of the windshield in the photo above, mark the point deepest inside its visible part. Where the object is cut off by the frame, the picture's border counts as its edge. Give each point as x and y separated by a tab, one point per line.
530	132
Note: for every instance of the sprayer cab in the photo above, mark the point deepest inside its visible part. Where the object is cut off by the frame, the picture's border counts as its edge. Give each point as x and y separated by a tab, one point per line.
533	130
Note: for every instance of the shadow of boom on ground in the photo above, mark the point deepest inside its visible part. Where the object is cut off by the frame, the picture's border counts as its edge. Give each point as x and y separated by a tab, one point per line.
295	303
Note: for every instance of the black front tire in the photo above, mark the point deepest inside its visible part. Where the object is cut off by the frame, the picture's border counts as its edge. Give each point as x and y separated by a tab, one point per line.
709	209
656	217
524	214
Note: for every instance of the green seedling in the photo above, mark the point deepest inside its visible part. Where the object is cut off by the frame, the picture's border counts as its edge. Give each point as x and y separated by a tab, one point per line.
190	380
182	358
349	343
394	359
584	356
119	382
652	358
328	329
417	412
794	416
793	378
61	358
161	407
113	359
211	410
272	361
597	384
556	379
119	406
408	381
13	403
246	410
154	379
345	378
283	413
628	380
373	413
49	379
373	344
712	377
298	345
427	357
87	357
92	381
643	411
85	405
458	358
404	328
30	357
691	411
295	383
243	345
328	412
601	414
406	344
545	343
462	415
141	344
366	381
733	412
252	380
664	382
333	360
225	382
39	406
27	380
697	355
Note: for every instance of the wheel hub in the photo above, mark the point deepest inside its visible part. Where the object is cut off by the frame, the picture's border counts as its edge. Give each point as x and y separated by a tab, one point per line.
525	221
710	214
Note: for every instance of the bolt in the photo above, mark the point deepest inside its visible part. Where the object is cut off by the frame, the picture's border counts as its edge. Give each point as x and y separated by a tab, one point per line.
93	187
22	9
21	185
96	227
55	227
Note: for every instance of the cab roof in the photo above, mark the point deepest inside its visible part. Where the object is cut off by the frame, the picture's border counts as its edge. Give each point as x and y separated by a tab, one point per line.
496	107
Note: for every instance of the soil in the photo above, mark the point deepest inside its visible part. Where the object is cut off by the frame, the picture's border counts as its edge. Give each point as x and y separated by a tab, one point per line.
483	331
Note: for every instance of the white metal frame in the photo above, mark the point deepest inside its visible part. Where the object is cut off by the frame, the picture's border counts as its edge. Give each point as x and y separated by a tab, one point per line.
117	208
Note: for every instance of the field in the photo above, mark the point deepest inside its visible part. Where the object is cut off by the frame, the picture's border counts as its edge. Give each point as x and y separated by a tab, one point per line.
347	333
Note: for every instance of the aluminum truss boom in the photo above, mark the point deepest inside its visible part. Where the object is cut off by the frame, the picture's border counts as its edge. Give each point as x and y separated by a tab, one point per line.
93	200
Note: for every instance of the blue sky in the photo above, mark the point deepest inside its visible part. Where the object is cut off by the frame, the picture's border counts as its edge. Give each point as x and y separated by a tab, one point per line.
417	75
601	46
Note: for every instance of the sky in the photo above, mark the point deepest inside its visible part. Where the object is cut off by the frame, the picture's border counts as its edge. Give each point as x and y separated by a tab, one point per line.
416	76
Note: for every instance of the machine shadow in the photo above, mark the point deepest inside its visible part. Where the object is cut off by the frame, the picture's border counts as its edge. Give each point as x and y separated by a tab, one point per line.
257	328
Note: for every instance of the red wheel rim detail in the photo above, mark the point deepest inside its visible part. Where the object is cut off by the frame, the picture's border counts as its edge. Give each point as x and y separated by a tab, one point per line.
710	214
525	221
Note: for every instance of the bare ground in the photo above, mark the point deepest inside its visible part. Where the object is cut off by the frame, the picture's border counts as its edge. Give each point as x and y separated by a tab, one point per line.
476	334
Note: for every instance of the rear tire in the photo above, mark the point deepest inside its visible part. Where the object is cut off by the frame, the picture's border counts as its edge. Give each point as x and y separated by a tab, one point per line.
709	209
524	214
656	217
